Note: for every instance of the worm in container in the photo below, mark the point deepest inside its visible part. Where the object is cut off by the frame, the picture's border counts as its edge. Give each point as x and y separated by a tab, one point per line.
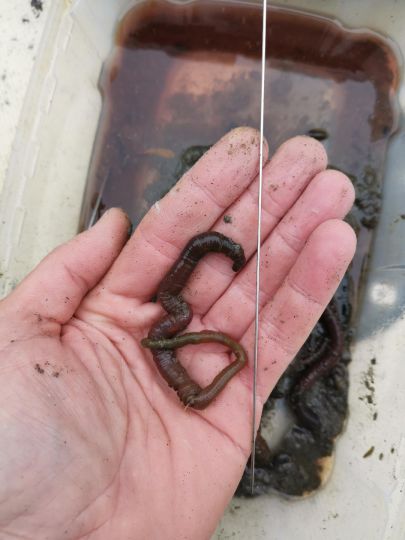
329	357
162	338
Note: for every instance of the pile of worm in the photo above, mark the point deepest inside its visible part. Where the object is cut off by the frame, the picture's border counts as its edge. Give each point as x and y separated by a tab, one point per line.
315	389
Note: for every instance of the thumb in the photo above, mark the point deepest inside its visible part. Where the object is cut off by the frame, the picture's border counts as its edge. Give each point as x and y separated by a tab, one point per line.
52	292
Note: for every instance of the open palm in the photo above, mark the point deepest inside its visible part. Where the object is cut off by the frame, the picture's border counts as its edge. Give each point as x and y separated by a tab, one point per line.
94	443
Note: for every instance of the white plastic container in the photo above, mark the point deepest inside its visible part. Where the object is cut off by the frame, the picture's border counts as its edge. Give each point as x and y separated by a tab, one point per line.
40	206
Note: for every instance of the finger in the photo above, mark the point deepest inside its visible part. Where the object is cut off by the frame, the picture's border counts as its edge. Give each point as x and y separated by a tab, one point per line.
52	292
191	207
330	195
285	177
285	322
288	319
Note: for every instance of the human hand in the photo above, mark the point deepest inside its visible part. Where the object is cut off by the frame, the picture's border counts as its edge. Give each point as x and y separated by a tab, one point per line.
95	444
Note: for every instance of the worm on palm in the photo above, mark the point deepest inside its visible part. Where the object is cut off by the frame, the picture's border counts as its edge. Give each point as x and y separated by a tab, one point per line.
162	338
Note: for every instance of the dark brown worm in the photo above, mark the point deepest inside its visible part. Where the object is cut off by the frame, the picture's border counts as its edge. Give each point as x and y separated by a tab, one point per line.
208	393
323	364
318	133
180	315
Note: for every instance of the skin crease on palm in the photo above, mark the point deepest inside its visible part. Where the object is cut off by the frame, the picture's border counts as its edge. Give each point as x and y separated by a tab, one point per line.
94	444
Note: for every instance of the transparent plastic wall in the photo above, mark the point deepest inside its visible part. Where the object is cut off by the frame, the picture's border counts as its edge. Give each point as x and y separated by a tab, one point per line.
40	206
